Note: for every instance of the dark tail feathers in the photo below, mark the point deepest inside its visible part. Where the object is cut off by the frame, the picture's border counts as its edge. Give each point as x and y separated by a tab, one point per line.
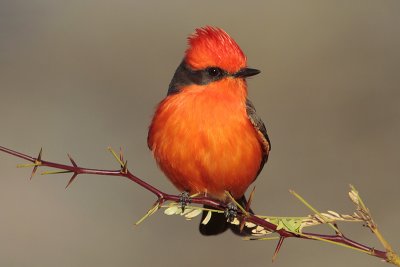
218	223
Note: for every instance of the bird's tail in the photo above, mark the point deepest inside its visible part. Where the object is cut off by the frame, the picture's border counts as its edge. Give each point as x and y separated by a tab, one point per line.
219	224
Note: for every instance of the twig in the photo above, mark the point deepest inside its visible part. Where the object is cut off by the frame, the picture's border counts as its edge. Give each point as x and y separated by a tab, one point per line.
338	238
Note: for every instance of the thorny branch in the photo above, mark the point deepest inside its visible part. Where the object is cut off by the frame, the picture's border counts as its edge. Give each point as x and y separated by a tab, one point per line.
263	225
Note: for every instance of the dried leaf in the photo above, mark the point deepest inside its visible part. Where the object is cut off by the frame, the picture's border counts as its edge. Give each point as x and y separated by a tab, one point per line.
207	218
250	225
186	211
235	221
334	213
193	213
171	210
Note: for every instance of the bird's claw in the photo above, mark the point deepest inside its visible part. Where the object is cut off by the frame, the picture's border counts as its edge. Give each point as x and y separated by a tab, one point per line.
231	212
184	200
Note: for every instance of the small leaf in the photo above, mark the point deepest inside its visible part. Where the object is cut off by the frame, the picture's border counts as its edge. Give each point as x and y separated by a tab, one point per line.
259	229
193	214
171	210
334	213
280	225
250	225
186	211
235	221
354	198
207	218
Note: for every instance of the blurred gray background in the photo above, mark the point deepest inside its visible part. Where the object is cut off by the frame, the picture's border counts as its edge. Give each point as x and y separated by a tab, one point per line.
78	76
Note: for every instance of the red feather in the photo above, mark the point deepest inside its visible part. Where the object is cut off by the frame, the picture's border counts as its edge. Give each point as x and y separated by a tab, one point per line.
203	140
213	47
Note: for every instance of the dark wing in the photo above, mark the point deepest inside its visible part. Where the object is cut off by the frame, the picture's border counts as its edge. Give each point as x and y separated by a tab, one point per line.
261	130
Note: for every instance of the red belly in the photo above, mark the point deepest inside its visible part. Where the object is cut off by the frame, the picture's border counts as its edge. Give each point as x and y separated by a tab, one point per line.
205	150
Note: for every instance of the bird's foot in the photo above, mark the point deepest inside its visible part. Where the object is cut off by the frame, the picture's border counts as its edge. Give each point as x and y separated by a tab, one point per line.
184	200
231	212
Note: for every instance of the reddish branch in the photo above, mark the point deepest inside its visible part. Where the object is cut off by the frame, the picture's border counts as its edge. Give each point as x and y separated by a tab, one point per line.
162	197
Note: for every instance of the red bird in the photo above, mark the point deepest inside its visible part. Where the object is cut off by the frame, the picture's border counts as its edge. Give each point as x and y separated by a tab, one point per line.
205	135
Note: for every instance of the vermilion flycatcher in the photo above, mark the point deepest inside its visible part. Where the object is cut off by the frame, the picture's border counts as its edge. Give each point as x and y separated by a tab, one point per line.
205	135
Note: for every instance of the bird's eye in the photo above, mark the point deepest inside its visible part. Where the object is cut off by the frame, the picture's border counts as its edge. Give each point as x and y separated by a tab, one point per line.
214	72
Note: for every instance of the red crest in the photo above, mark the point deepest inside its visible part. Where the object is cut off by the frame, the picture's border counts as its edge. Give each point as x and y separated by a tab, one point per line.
213	47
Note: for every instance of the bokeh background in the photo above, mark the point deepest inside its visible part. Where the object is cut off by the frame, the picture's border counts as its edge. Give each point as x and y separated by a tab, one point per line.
79	76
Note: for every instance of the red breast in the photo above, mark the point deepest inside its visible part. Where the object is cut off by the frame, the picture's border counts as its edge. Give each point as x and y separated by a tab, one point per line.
203	140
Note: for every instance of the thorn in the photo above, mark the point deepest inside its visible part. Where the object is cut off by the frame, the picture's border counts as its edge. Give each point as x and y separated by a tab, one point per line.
337	229
242	223
37	163
72	161
71	180
124	168
33	172
278	247
39	158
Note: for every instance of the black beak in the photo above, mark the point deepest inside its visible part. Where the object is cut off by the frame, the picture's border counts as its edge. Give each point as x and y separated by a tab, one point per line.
246	72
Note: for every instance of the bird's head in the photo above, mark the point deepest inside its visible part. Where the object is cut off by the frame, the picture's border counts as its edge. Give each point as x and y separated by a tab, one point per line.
213	47
212	55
